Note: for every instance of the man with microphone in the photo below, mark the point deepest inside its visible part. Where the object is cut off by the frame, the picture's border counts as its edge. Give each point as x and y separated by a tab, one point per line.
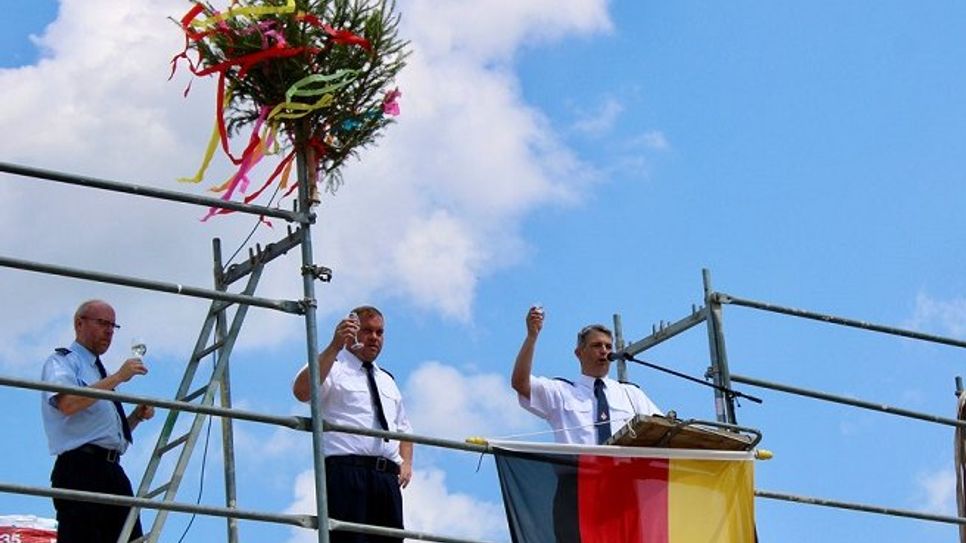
591	408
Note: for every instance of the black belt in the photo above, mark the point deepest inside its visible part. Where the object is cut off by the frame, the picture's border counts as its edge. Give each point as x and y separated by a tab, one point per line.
108	455
377	463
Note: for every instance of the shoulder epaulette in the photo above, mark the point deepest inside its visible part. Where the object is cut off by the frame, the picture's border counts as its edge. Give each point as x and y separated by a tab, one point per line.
568	381
630	383
387	373
63	351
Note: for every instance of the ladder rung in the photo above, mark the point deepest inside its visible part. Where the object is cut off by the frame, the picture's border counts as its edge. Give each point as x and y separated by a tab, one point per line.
172	444
160	490
195	394
209	349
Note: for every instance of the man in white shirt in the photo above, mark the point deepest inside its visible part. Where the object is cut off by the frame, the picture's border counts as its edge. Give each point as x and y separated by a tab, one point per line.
588	410
363	474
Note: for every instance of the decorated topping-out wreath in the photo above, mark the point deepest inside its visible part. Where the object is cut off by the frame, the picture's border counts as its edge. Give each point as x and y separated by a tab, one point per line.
310	75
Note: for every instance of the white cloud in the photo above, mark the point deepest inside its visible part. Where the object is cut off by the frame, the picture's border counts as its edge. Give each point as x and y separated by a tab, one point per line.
493	29
946	316
428	506
939	491
443	402
655	140
427	214
600	121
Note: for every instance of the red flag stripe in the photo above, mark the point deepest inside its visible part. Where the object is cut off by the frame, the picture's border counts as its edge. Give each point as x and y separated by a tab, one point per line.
639	485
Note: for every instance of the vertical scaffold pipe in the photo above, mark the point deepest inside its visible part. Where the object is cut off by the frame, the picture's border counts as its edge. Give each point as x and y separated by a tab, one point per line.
724	405
305	165
227	425
618	346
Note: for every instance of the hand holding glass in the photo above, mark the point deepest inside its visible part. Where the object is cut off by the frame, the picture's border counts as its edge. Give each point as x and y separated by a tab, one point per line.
138	348
356	345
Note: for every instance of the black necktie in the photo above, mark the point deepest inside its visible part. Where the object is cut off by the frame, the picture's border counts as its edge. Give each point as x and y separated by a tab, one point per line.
125	427
376	400
603	412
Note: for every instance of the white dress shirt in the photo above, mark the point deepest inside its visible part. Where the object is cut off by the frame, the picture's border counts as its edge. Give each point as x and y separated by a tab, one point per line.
346	400
570	408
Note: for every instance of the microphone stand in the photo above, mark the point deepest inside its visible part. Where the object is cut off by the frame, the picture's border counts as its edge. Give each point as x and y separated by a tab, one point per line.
727	391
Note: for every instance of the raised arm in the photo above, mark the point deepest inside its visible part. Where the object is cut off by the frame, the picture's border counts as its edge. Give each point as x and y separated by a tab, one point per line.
343	335
520	379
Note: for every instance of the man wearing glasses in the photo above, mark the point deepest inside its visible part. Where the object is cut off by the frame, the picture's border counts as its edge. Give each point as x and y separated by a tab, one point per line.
588	410
88	435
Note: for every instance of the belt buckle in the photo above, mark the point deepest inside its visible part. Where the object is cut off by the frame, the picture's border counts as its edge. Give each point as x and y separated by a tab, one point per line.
112	456
381	463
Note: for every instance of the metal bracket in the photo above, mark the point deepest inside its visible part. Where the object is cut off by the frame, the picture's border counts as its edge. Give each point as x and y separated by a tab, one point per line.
319	272
306	304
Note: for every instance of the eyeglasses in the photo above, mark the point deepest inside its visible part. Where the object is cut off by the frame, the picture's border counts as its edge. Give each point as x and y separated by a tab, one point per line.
104	323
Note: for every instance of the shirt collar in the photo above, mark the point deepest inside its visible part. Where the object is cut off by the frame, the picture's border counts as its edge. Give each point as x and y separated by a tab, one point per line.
588	381
83	353
354	360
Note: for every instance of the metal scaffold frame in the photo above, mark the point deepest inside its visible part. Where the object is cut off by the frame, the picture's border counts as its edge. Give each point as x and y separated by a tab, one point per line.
217	338
222	332
721	376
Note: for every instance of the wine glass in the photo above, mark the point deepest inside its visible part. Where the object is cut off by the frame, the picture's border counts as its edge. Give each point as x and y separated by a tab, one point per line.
356	344
138	348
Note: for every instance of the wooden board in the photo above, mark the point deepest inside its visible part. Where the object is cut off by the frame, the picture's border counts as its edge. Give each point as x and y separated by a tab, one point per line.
653	431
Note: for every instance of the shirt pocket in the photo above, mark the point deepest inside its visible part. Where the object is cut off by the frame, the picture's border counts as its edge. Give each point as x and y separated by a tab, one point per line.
621	409
390	398
579	406
355	395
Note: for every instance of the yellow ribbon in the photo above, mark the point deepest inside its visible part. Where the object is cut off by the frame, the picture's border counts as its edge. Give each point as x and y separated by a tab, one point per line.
238	12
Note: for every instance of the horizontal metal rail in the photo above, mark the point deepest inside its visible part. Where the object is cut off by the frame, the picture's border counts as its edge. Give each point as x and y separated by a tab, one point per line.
665	333
393	532
848	401
288	306
860	507
141	190
723	298
295	423
304	521
413	438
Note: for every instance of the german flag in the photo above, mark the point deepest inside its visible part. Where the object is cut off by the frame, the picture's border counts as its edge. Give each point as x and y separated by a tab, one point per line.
576	494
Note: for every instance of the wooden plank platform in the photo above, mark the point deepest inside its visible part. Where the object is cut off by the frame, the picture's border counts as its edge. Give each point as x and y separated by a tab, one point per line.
656	431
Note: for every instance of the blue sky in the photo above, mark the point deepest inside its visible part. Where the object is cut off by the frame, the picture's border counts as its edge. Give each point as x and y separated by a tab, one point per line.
593	156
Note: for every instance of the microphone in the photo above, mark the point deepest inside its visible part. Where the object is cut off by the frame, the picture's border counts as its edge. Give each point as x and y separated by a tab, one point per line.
621	355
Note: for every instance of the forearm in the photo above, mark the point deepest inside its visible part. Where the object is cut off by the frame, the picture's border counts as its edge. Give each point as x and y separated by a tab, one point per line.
406	452
70	404
133	420
522	368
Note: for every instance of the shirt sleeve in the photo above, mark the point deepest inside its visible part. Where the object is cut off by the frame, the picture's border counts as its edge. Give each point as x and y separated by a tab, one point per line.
642	404
402	420
544	397
59	371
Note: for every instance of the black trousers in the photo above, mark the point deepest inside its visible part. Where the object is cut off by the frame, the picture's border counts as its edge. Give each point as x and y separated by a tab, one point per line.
357	493
86	522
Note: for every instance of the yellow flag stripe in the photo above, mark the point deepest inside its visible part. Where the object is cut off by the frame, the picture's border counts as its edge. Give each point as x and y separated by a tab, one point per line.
711	501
